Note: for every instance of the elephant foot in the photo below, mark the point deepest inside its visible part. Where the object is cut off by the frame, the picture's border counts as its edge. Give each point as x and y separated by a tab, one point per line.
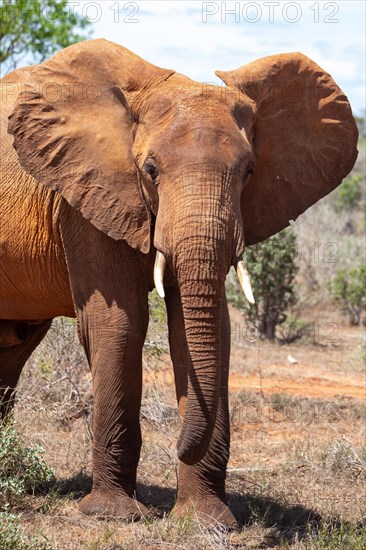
212	512
108	505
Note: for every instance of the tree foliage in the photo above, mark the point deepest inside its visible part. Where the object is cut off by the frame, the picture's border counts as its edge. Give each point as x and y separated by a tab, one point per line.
37	28
349	193
272	267
348	289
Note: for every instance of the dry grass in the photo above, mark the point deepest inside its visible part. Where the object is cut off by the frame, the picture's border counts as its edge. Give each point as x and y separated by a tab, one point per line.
296	476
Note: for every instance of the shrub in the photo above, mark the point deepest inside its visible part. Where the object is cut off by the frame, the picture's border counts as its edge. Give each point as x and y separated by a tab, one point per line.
22	468
11	536
157	309
349	292
156	341
348	194
272	267
360	121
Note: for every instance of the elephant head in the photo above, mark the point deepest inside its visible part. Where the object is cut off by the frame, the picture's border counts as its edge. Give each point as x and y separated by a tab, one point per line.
215	168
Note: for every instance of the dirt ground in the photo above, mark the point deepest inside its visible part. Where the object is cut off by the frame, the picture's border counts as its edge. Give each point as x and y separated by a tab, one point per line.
297	472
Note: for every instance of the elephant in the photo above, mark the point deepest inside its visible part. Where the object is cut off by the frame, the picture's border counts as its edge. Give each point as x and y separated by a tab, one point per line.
118	176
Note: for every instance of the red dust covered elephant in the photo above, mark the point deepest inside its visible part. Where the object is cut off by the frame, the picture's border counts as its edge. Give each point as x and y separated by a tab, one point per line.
107	159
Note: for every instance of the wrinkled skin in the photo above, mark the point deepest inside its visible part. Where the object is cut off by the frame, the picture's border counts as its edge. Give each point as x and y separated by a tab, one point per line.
107	159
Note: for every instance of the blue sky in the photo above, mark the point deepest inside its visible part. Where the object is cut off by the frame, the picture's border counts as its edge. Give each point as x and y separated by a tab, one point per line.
195	37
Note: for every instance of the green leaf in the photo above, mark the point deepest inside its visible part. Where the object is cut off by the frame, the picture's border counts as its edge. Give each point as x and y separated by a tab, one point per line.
272	268
36	28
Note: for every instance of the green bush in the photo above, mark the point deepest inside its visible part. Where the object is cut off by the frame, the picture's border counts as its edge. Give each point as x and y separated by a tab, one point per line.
12	538
348	289
360	121
157	310
22	468
272	267
348	195
156	340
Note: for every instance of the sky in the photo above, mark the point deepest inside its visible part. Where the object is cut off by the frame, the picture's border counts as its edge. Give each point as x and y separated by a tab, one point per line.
196	38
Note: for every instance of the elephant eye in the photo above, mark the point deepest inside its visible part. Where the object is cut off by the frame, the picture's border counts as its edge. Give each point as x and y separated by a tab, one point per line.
248	171
151	169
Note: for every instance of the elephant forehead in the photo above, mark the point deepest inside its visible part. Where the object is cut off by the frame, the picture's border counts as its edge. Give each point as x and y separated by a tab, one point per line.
200	117
191	101
201	138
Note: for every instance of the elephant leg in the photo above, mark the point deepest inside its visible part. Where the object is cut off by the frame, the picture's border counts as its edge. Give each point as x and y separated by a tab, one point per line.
20	341
201	487
110	297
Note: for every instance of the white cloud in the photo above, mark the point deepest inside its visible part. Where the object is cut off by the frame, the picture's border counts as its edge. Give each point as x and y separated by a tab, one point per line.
172	34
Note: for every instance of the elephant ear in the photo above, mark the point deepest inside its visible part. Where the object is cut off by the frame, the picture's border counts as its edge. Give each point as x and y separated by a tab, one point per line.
304	139
72	128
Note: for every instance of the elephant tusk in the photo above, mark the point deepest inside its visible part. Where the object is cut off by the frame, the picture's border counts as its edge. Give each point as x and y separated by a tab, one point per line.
159	269
244	280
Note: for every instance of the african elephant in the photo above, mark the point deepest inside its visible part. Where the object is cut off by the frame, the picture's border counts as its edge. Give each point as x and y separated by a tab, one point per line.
112	159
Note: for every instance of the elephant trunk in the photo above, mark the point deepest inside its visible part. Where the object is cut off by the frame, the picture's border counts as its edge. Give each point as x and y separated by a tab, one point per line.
200	236
201	278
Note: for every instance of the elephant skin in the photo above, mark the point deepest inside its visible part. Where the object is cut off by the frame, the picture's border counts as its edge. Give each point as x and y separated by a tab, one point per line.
107	159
